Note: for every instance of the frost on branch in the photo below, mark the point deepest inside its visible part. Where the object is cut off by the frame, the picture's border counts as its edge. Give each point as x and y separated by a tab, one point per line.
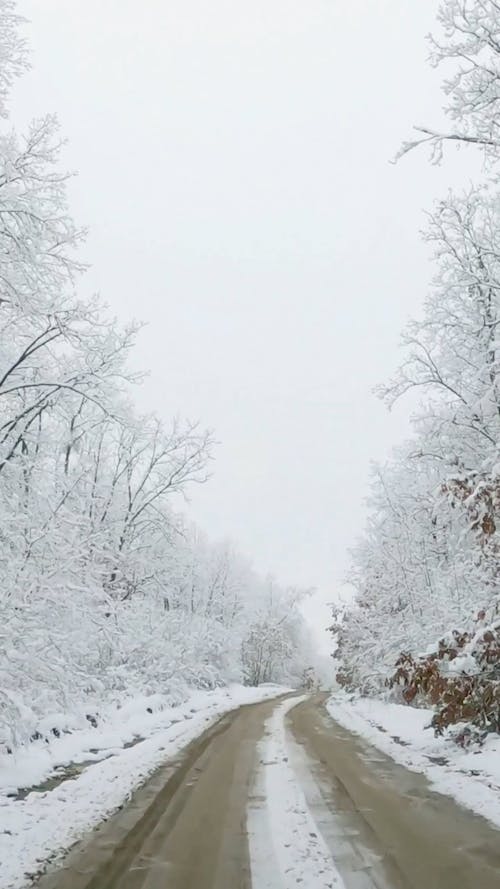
13	52
469	44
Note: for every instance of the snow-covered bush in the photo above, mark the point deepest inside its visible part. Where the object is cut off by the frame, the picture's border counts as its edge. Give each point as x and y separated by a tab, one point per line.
460	678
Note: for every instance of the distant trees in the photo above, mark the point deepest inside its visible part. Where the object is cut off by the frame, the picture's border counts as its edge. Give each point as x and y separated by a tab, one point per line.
105	590
274	636
429	561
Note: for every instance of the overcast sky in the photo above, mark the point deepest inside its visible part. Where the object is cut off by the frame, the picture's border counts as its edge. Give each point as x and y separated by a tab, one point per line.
234	171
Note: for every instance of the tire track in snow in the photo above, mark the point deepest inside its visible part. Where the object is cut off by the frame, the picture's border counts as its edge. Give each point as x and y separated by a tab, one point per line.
286	848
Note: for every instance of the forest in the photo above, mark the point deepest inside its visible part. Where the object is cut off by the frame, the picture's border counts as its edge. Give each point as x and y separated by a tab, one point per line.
425	619
108	590
171	713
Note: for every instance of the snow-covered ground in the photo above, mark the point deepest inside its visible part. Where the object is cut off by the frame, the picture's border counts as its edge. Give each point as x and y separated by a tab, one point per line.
286	847
471	777
43	825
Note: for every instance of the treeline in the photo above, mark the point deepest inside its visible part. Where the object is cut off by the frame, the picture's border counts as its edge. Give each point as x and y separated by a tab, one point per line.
426	615
105	591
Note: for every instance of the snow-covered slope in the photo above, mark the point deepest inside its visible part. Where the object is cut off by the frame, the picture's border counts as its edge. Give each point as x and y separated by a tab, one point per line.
471	777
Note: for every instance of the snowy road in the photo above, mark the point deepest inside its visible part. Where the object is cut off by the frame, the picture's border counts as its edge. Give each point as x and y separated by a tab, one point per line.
277	795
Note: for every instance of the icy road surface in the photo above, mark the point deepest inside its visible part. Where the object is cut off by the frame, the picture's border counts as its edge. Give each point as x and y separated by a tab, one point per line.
277	795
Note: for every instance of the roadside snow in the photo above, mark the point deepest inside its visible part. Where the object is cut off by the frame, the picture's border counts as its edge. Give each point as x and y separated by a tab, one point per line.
471	777
45	824
286	847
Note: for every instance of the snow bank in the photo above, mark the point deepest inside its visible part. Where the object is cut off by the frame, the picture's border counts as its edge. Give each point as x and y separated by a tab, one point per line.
471	777
42	826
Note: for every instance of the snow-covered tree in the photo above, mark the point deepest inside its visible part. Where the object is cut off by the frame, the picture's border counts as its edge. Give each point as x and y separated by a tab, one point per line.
469	39
105	590
428	563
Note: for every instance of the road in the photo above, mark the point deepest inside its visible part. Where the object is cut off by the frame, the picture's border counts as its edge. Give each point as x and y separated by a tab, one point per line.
277	795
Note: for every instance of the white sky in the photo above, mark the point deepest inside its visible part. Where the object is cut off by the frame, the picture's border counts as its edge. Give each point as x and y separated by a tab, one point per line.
234	170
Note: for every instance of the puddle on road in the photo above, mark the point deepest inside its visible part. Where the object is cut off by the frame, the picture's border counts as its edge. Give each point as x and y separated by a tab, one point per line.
73	770
66	773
